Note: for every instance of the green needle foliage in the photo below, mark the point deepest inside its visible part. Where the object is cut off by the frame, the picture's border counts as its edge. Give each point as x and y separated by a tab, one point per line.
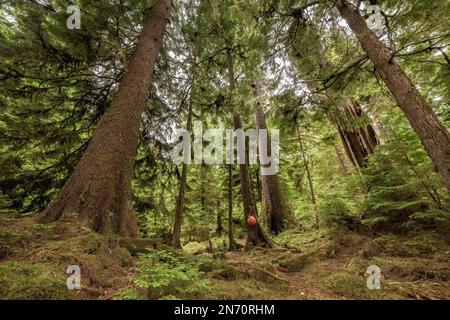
56	84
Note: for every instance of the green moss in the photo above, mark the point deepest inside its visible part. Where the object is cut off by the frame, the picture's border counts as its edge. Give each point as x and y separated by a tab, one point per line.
226	271
164	273
347	285
130	294
293	263
194	247
423	245
99	258
32	282
206	264
169	297
298	239
41	229
9	238
249	289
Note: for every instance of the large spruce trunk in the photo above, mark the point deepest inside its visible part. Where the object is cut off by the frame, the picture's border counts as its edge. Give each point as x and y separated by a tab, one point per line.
98	191
432	133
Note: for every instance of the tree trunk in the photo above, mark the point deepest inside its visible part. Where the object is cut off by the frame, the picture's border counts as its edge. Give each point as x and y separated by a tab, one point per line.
232	245
273	201
258	186
432	133
359	140
255	233
178	219
341	159
309	177
203	188
98	191
219	229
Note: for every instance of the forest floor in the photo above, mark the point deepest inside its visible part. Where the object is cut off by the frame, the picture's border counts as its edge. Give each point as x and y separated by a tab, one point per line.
308	264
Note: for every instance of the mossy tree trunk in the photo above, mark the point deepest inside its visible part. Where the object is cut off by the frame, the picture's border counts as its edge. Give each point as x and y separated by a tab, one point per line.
98	191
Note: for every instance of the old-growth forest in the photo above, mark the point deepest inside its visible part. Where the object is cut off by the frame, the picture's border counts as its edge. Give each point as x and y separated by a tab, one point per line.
96	204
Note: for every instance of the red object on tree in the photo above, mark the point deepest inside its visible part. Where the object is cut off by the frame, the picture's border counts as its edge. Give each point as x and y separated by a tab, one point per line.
251	220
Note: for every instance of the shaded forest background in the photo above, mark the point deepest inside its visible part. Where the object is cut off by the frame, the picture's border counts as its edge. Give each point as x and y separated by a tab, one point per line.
87	124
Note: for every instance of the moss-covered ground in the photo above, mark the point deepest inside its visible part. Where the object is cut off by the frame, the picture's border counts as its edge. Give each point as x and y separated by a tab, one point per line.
307	264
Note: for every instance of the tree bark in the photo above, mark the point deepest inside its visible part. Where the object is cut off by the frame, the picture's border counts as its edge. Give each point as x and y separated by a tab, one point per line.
232	245
98	191
178	219
341	159
203	187
219	229
309	177
359	140
258	186
432	133
255	234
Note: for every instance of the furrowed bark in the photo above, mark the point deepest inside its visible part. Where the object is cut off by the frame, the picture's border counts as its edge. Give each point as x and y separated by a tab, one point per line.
359	140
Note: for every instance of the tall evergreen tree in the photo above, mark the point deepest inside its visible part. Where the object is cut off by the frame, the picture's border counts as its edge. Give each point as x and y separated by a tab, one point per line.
99	189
